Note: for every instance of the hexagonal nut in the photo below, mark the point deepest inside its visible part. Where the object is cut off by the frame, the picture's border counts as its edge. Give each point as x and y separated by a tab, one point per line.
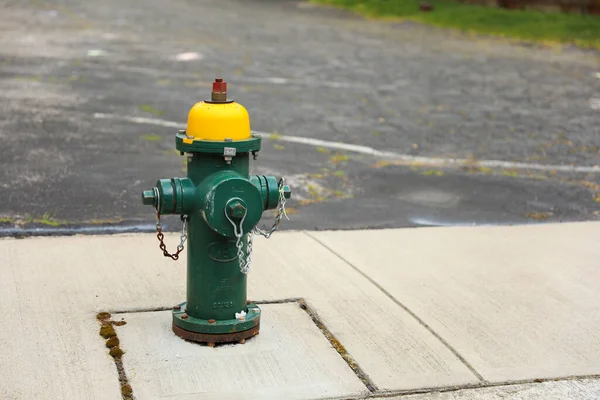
236	209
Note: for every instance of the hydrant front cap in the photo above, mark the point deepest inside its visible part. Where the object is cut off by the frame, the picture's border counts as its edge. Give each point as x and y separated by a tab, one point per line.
221	192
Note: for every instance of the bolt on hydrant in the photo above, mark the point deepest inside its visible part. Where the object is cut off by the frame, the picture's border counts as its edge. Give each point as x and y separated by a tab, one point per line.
220	205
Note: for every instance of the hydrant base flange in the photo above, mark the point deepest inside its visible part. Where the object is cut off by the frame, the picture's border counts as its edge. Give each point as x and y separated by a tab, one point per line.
216	331
220	338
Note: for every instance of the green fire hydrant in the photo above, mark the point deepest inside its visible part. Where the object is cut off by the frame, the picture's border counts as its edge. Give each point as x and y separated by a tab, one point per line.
220	206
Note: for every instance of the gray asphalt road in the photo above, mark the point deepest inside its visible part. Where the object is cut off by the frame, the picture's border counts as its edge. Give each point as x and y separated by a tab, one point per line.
299	70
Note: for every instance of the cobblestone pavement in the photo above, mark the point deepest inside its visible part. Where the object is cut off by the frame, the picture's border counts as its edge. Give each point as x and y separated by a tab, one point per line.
300	70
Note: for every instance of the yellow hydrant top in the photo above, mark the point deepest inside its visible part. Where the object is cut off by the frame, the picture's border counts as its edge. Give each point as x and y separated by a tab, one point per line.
218	119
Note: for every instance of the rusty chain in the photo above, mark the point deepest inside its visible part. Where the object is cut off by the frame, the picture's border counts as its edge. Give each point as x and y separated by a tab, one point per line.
161	236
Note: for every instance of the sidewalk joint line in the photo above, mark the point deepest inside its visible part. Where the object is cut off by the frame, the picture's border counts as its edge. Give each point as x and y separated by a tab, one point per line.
445	389
278	301
108	333
404	307
140	310
337	345
76	229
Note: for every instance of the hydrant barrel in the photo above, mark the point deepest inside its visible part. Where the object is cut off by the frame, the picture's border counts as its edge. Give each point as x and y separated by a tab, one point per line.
216	287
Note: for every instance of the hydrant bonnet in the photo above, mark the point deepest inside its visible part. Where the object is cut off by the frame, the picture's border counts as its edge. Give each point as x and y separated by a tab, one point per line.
218	119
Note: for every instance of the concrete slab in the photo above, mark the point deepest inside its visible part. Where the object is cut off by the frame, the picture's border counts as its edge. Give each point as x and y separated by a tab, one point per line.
97	273
51	354
570	389
394	349
516	302
128	273
50	344
289	359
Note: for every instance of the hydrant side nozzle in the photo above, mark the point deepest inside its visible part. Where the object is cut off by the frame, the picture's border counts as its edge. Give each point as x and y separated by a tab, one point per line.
268	186
171	196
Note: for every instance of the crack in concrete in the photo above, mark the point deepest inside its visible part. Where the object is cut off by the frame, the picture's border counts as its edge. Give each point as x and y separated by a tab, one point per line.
405	308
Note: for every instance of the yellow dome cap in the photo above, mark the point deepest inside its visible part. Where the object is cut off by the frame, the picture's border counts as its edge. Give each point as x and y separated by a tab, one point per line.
219	119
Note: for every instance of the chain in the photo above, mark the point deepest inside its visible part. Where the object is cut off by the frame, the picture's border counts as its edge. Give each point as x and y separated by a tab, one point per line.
160	236
246	268
245	264
239	244
280	212
246	261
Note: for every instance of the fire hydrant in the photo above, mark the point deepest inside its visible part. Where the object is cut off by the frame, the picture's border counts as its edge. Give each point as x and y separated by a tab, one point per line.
220	206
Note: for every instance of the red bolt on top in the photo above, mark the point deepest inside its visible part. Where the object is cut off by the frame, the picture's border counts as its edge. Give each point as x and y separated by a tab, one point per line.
219	91
219	86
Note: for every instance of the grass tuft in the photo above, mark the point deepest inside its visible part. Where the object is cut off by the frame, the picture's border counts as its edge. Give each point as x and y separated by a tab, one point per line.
529	25
149	109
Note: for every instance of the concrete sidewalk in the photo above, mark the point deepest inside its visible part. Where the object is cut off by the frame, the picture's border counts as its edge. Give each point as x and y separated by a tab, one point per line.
430	313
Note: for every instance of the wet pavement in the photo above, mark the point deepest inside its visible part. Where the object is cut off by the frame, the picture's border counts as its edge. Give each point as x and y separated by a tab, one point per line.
88	93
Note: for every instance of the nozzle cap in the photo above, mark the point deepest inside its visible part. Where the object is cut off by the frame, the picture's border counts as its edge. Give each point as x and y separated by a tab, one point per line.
149	197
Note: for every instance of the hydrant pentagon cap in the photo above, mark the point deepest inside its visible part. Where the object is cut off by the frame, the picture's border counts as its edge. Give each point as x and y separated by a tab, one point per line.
225	189
217	121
